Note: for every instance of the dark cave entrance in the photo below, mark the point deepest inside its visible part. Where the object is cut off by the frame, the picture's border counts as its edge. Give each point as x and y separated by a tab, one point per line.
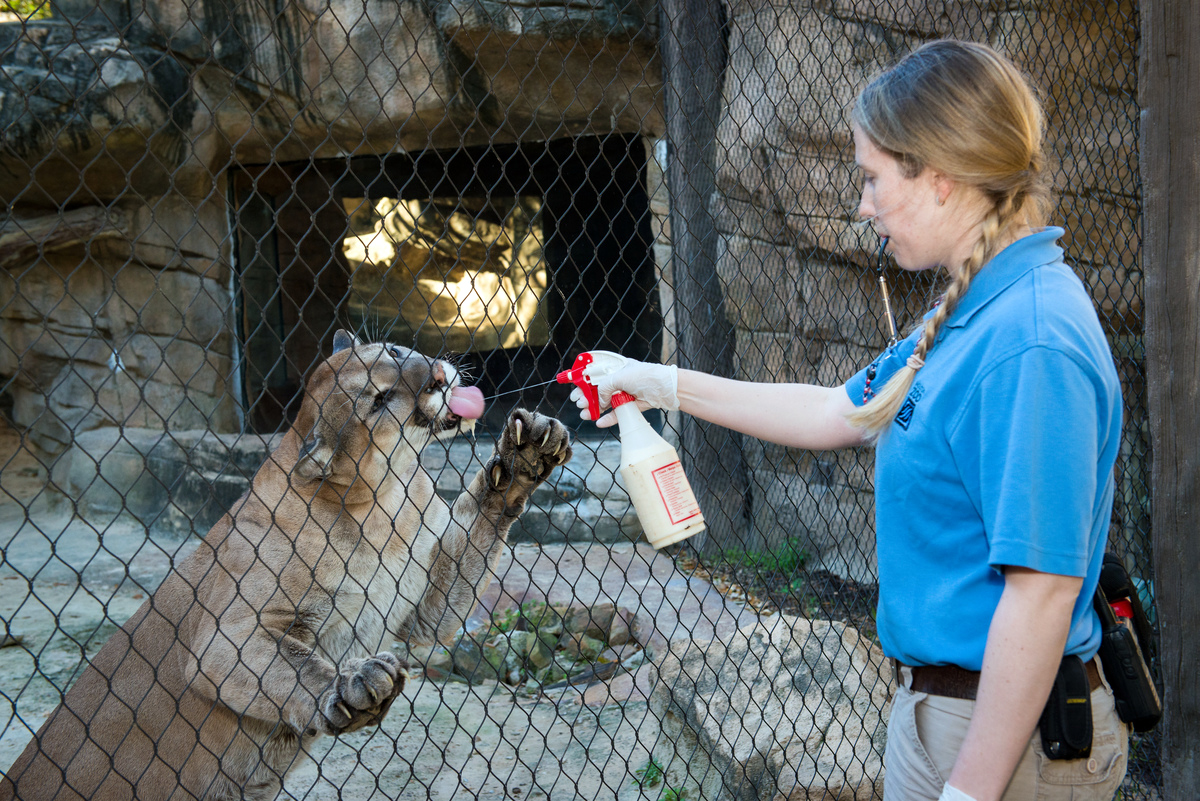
511	259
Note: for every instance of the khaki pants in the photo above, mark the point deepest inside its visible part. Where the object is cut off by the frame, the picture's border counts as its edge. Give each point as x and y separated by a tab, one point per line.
925	733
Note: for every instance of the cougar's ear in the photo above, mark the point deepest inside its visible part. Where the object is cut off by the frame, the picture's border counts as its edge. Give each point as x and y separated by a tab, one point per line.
316	457
343	339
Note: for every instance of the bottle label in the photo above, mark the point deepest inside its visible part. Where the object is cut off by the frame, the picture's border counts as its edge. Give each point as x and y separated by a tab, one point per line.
675	492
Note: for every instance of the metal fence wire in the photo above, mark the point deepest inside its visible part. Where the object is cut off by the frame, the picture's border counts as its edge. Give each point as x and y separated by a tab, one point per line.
199	193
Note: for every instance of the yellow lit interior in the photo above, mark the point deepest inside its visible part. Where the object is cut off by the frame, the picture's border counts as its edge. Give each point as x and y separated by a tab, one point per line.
448	274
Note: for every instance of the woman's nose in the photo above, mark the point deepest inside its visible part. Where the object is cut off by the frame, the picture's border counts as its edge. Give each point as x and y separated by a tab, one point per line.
866	209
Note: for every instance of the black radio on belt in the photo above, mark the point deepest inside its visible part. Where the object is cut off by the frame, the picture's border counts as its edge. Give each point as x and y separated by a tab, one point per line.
1124	661
1066	723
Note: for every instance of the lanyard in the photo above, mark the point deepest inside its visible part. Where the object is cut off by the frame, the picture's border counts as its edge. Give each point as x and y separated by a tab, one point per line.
883	288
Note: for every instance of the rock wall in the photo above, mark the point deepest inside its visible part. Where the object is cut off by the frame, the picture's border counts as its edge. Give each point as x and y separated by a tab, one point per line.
116	316
122	120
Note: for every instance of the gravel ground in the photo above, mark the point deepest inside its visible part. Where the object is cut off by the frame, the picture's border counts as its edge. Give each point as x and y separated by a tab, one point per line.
68	583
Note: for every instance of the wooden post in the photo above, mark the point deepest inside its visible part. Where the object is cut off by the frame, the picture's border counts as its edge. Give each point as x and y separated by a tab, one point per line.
1169	94
695	55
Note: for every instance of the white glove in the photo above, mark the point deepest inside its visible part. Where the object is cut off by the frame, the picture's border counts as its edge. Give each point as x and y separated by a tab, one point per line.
954	794
654	385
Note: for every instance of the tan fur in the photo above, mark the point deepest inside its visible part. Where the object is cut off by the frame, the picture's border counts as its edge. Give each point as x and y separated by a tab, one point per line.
272	632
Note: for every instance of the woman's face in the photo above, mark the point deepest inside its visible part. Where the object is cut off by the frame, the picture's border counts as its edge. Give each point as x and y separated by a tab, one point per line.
921	234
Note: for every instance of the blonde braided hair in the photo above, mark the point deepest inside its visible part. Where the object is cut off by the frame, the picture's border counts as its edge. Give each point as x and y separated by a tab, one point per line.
966	111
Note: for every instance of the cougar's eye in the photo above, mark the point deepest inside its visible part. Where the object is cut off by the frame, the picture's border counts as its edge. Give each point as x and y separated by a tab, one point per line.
381	400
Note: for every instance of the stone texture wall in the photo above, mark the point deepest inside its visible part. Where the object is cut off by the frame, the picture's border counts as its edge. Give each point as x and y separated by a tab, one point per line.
122	120
116	317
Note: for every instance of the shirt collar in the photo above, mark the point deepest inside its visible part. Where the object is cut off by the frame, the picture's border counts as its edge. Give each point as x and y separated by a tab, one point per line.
1005	268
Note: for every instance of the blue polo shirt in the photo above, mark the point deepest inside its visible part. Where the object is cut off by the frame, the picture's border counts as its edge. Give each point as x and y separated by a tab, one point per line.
1002	454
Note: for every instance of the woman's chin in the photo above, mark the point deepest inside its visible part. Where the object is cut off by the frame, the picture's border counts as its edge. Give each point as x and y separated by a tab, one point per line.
913	267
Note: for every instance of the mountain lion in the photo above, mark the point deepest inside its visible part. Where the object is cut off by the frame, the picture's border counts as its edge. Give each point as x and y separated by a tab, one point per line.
274	631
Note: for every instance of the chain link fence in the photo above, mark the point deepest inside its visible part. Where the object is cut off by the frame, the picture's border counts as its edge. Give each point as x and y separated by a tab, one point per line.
199	194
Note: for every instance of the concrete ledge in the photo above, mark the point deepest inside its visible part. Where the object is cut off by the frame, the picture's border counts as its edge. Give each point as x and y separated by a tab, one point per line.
179	482
170	481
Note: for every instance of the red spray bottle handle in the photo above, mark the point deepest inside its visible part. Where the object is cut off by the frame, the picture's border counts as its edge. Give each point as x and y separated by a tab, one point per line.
577	377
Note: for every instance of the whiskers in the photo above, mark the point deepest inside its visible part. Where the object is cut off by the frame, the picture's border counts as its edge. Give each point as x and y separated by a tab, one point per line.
346	400
373	328
459	363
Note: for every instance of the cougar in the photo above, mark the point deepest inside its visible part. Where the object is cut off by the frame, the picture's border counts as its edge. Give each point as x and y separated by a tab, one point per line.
274	630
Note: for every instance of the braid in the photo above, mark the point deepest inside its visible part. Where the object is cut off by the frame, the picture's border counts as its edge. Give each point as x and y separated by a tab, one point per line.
967	112
878	413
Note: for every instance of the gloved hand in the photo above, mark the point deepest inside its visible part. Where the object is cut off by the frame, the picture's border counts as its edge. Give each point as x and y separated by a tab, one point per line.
954	794
654	385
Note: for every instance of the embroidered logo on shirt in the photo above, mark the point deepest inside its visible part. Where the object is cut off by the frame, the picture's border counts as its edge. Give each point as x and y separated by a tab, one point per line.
905	415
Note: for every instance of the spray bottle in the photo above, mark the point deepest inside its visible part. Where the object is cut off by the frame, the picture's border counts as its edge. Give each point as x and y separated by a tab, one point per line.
650	467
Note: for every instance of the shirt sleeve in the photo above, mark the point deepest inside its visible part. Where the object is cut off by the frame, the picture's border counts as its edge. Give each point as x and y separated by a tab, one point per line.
1035	417
880	370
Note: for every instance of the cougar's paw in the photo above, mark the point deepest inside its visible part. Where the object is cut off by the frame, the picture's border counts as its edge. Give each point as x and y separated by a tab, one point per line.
363	692
530	447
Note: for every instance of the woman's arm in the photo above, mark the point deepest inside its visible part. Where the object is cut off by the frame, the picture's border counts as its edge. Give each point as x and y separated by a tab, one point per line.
1024	647
796	415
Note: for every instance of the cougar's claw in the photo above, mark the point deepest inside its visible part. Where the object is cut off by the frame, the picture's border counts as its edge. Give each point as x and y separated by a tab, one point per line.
530	447
363	692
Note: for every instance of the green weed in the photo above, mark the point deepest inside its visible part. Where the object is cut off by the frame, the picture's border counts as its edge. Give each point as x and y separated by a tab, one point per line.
506	621
788	558
27	9
648	775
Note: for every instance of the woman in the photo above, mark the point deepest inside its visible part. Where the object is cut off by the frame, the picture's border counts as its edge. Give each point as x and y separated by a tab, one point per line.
997	425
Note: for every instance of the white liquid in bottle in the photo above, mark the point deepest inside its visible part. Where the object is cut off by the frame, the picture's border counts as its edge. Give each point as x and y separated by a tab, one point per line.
654	478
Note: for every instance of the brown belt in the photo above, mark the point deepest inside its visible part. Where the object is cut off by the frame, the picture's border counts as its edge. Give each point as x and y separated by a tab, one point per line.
955	682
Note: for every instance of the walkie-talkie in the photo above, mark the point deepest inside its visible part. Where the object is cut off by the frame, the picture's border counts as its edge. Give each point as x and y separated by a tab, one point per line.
1125	665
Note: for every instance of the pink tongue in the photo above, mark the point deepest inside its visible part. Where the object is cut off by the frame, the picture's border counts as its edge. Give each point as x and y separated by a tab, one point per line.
466	402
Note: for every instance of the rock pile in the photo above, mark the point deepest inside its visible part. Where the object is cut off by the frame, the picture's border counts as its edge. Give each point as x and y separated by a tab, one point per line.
540	646
785	708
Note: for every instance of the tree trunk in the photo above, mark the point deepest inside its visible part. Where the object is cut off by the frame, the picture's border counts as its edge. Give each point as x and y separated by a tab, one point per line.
1169	94
695	54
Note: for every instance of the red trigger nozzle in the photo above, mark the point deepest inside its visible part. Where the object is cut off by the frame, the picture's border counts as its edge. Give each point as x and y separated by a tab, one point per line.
577	377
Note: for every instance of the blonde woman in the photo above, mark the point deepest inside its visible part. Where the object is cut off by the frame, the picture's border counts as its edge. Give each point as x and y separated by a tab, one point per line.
997	425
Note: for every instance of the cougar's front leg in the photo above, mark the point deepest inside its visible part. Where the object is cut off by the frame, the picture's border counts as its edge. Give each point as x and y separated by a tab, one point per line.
264	666
362	692
529	449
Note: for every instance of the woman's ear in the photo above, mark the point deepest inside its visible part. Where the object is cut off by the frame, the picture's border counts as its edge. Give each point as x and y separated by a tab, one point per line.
943	186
